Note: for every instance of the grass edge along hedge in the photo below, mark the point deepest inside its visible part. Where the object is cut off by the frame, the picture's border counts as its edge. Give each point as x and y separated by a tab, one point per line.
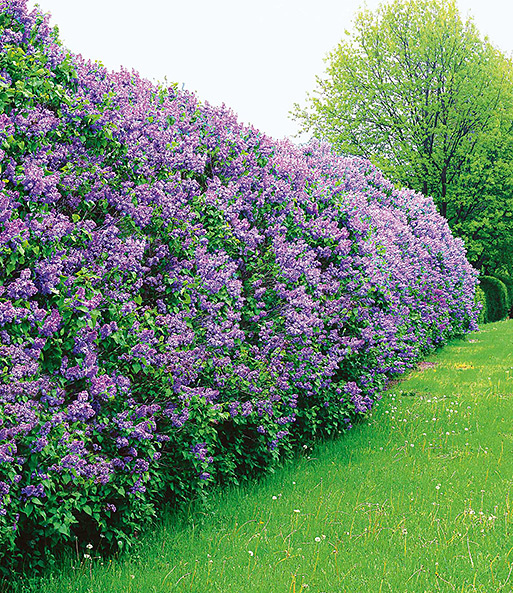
184	300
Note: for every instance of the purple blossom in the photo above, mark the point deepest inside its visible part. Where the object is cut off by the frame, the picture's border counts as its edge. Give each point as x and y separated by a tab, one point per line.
51	324
80	410
32	491
138	487
22	288
122	442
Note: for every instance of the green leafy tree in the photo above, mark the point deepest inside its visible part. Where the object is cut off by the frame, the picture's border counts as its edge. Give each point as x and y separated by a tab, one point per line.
481	210
415	89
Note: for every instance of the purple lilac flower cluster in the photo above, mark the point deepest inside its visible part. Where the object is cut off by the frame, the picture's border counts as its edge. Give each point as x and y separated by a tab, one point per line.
179	292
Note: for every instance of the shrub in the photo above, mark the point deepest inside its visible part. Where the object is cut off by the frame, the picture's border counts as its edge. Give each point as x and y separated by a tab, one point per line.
496	298
508	283
184	300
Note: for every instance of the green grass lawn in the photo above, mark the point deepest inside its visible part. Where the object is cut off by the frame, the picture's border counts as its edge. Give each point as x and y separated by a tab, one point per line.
418	499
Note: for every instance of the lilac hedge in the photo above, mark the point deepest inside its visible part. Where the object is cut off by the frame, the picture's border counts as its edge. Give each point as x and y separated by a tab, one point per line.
184	300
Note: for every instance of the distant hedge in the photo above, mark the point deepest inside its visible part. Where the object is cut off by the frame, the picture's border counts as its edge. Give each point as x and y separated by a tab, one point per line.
496	298
508	282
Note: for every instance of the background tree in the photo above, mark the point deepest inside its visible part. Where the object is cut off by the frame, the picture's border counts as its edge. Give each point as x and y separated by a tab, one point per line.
415	89
481	207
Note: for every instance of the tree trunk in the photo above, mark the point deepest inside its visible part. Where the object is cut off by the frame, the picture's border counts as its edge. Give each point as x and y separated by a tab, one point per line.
443	203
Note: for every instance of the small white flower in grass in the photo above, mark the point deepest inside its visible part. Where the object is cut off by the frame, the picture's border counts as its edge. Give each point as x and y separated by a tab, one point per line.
250	552
87	556
89	546
438	486
132	576
297	511
275	498
317	539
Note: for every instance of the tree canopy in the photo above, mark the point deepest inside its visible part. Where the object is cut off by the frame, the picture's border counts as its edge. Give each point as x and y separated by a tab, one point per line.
419	92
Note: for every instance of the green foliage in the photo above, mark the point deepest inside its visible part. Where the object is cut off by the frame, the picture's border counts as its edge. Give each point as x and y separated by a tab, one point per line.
496	298
480	298
416	90
507	280
480	209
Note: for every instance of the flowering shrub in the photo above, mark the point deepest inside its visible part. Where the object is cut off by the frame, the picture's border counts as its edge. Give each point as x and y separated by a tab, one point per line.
182	299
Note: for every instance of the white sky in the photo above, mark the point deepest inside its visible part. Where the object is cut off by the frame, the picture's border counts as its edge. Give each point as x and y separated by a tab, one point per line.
258	57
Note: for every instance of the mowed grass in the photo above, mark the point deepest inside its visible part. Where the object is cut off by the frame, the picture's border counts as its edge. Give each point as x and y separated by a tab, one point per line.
418	499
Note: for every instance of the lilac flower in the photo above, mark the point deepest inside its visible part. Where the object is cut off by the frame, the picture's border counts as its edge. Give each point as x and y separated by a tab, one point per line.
138	487
32	491
4	489
122	442
23	288
80	409
52	323
200	451
141	466
246	408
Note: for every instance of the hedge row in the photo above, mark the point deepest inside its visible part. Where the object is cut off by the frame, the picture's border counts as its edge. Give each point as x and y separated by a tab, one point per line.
508	283
497	300
184	301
